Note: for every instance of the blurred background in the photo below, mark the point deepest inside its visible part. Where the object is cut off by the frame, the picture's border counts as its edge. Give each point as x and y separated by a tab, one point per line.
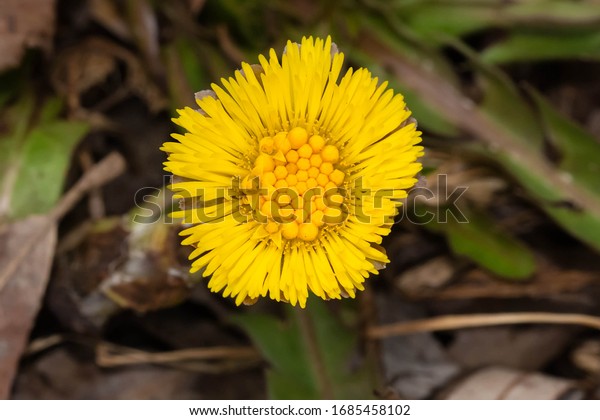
507	94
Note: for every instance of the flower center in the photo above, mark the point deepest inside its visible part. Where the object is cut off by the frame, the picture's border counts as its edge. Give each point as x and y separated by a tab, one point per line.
294	185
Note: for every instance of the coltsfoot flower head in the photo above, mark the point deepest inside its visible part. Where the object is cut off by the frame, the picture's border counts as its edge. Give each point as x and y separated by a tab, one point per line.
290	175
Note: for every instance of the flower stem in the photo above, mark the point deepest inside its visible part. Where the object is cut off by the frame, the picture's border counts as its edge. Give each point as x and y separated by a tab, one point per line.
307	330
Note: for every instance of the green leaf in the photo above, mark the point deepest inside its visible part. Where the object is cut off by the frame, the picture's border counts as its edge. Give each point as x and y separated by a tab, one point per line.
545	46
186	74
581	223
243	17
408	46
513	134
43	165
483	242
50	111
433	19
389	30
34	162
426	117
579	151
579	154
192	65
438	19
557	14
310	354
528	126
503	104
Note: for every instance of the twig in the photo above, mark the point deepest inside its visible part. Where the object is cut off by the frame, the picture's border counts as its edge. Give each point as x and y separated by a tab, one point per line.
40	344
95	203
109	168
106	170
210	360
453	322
110	355
74	237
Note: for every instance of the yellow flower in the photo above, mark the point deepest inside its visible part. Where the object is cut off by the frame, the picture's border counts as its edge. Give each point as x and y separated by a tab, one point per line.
289	176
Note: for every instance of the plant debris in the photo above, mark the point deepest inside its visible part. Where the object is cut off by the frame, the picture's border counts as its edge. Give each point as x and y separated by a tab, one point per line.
492	287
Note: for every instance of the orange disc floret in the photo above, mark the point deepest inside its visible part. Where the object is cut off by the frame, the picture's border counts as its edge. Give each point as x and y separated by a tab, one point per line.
330	153
297	137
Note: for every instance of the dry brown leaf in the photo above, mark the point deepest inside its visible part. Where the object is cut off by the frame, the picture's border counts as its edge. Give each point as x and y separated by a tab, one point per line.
196	5
148	276
413	366
24	24
497	383
90	62
133	264
20	299
527	348
479	284
80	68
58	374
143	23
26	253
481	185
587	356
432	274
143	284
107	14
68	373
